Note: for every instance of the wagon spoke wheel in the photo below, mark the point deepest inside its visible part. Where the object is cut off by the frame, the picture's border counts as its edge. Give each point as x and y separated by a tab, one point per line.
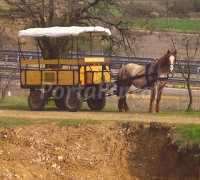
97	103
36	100
60	104
60	99
72	101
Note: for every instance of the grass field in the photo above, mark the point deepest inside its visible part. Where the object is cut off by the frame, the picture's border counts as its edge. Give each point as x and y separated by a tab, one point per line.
137	103
17	114
13	122
189	131
180	25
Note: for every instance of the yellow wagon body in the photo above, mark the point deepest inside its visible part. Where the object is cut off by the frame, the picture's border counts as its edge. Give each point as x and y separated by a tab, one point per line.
65	72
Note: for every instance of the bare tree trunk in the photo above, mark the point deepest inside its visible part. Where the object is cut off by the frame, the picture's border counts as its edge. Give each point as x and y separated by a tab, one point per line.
186	71
5	87
189	107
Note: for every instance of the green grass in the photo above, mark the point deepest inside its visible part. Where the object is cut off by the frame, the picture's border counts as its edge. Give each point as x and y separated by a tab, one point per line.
189	133
20	103
181	25
6	122
180	113
77	123
14	103
11	122
115	11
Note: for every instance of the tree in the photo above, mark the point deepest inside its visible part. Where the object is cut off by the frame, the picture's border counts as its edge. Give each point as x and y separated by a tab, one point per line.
6	75
45	13
191	52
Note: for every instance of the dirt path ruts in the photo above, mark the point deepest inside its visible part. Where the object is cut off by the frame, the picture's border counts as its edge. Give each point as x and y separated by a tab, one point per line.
142	117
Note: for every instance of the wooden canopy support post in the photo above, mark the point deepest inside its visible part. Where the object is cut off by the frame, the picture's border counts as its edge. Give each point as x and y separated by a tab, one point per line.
72	38
91	44
38	55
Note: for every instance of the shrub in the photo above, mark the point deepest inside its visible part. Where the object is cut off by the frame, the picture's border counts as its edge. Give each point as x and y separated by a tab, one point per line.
196	5
138	9
180	8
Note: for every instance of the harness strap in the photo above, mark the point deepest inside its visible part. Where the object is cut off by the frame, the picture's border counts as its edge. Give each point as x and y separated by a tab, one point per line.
147	75
151	78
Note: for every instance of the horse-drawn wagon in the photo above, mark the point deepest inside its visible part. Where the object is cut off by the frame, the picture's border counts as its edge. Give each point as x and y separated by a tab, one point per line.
69	79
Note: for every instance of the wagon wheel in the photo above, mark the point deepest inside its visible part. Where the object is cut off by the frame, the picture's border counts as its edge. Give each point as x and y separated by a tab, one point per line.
36	100
97	104
72	101
60	99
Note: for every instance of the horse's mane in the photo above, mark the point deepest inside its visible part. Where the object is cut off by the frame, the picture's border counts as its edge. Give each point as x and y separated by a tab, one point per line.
163	61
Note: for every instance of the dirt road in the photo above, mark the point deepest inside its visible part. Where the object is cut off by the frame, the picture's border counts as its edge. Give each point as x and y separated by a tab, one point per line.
107	116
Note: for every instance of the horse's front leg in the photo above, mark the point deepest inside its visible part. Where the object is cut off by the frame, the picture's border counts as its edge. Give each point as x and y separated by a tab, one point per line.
159	96
152	99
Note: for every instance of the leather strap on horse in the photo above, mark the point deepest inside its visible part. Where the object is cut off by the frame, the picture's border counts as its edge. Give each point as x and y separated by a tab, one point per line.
147	74
151	78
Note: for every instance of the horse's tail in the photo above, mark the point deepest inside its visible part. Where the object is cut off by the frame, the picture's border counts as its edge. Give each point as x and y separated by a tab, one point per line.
118	87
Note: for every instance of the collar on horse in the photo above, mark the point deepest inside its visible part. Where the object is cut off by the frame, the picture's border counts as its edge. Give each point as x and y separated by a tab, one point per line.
151	75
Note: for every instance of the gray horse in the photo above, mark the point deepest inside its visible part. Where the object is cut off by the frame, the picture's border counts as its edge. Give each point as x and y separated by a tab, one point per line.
144	77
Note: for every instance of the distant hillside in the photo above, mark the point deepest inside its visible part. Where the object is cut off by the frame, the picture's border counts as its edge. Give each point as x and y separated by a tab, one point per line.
164	24
146	15
163	8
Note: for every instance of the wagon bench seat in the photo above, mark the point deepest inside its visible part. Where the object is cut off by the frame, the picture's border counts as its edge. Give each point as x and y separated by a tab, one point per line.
81	61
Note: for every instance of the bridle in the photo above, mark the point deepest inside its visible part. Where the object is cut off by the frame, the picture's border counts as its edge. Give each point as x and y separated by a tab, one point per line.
170	74
155	75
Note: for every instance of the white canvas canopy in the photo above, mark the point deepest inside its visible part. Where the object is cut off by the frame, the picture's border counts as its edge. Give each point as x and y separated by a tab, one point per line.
62	31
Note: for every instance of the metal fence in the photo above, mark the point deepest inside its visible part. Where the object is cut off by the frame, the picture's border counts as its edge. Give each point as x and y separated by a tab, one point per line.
9	62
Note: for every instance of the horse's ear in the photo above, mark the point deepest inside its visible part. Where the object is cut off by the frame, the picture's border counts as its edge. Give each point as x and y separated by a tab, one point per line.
168	52
175	52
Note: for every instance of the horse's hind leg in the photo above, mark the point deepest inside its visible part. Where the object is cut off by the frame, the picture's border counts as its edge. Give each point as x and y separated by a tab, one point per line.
152	99
121	104
126	108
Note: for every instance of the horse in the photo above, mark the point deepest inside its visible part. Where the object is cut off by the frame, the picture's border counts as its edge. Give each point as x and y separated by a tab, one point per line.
144	77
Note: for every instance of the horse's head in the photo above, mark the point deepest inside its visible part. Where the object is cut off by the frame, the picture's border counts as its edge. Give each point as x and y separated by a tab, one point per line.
167	62
171	60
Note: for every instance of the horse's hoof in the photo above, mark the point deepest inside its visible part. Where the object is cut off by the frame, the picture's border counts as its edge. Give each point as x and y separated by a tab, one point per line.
122	110
150	111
